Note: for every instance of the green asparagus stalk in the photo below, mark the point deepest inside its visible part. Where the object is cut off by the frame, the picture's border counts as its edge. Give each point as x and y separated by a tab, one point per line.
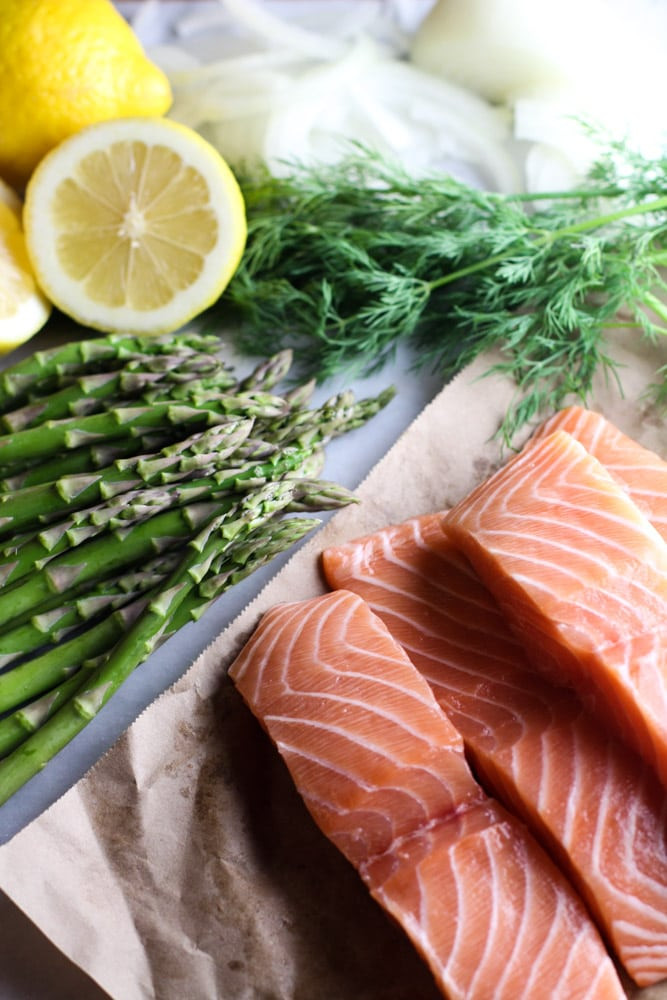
18	450
213	386
84	395
33	553
29	507
160	471
16	727
268	373
87	394
19	642
260	549
300	396
202	450
44	671
334	419
100	557
87	458
51	626
44	368
71	572
225	552
337	416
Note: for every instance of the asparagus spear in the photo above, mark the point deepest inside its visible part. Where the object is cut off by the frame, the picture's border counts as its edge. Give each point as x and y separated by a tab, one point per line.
268	373
51	626
334	418
43	672
218	515
86	394
82	526
99	557
43	368
28	507
87	458
18	450
74	570
203	449
15	728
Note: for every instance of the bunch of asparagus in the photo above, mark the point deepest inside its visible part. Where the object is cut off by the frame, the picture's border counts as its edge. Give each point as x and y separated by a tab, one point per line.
139	480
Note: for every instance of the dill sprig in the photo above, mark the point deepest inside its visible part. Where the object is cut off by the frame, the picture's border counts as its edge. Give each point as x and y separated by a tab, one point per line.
345	261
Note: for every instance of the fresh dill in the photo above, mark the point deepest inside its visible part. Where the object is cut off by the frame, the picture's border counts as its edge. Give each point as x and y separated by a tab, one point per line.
345	261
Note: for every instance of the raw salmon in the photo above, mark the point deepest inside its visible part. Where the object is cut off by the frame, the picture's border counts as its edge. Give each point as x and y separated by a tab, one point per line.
598	808
581	575
382	771
641	472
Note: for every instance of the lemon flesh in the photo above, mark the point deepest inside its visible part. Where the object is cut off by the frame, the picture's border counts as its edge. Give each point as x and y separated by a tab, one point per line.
134	225
65	64
23	307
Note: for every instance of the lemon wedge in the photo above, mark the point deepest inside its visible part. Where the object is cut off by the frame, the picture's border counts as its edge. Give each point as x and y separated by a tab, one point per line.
134	224
23	307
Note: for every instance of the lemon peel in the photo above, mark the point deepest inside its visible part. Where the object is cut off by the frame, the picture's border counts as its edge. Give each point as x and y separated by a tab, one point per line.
23	308
134	225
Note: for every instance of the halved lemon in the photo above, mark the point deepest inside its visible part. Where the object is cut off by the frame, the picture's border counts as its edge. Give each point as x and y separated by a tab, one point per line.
23	308
134	224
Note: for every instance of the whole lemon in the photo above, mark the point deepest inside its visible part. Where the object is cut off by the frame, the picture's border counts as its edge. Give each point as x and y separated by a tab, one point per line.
65	64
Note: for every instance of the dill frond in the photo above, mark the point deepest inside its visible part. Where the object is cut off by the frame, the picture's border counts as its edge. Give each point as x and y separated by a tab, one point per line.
343	262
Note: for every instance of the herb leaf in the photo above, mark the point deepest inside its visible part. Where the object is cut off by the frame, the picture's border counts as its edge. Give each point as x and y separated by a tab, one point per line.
344	262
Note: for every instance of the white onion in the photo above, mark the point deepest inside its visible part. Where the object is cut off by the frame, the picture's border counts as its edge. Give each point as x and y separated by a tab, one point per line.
598	61
504	49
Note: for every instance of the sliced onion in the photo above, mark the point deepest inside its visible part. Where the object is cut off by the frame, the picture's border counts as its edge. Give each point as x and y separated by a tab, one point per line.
282	93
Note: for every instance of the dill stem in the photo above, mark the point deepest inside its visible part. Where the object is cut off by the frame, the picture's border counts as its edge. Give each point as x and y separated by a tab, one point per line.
550	237
658	307
634	325
657	205
576	194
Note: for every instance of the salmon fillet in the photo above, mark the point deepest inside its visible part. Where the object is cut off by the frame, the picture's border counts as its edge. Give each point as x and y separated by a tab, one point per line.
640	471
382	771
581	575
598	808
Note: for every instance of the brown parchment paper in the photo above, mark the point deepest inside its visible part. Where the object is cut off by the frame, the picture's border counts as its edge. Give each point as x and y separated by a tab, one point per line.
184	865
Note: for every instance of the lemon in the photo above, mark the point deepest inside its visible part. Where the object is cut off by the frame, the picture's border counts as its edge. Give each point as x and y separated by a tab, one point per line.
134	225
65	64
9	197
23	307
